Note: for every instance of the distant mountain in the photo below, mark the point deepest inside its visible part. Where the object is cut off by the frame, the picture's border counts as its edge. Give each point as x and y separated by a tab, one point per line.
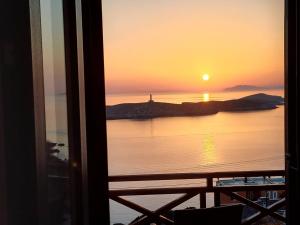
152	109
264	98
251	88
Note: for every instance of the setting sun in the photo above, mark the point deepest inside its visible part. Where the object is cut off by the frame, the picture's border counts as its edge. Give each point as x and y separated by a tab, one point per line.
205	77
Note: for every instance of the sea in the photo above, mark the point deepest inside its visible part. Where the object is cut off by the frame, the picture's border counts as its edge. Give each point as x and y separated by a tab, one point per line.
226	141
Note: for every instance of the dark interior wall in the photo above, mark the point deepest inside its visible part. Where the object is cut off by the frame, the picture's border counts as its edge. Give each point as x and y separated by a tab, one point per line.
17	128
3	200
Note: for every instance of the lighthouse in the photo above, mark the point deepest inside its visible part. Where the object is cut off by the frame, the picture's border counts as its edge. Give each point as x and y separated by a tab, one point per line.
151	100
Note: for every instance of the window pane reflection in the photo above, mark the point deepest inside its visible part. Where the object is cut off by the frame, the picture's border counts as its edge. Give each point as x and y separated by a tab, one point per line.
56	111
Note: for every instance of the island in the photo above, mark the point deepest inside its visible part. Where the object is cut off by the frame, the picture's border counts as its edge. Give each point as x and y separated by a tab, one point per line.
152	109
251	88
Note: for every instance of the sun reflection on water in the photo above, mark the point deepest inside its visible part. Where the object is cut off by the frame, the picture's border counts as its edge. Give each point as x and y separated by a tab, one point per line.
209	149
205	97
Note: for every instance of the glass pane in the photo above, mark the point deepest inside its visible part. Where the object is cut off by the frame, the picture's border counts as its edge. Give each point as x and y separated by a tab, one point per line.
192	86
56	111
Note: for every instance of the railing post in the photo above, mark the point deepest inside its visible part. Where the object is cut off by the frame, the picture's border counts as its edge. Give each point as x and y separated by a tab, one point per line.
209	182
217	198
202	200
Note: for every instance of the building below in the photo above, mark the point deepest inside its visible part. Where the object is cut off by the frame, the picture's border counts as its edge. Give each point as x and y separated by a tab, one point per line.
252	195
263	198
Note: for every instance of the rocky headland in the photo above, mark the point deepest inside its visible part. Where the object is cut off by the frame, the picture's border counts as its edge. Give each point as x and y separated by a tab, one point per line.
152	109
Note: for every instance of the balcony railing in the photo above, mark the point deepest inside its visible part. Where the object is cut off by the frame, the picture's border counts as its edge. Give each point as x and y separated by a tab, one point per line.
233	191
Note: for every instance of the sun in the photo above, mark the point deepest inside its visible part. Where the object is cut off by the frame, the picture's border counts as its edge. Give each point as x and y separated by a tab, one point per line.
205	77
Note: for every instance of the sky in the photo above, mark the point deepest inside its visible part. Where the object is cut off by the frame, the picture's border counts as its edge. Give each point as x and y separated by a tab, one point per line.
53	46
167	45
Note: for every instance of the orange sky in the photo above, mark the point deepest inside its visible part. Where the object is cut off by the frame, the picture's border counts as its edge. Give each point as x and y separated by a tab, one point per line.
167	45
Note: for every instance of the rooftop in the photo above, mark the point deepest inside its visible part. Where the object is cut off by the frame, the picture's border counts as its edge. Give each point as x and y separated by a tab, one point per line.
250	181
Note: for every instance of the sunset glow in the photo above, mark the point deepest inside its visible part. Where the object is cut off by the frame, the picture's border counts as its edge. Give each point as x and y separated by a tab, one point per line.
163	45
205	77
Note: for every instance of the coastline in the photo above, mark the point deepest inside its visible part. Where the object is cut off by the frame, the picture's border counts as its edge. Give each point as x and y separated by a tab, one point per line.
152	109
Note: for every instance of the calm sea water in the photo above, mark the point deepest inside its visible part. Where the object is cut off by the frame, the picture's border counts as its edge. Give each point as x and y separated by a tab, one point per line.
221	142
224	141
